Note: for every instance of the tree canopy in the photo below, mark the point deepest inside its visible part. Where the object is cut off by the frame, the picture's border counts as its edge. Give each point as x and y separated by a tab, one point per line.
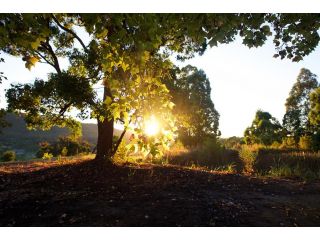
314	114
3	123
194	110
296	120
265	129
128	54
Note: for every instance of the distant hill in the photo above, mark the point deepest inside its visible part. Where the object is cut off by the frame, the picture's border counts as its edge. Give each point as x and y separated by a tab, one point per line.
25	142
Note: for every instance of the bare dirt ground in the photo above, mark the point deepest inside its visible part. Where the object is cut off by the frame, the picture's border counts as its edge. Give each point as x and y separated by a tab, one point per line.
86	193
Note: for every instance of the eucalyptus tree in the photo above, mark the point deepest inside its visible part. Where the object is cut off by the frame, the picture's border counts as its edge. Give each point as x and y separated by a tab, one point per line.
197	118
264	129
127	54
314	114
3	122
314	118
296	120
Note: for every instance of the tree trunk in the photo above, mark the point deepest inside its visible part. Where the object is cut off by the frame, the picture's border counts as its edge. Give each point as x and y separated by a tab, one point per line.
105	135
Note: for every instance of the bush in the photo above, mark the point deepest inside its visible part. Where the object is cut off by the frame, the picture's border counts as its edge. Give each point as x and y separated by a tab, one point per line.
44	147
47	156
248	154
306	142
310	142
65	146
8	156
288	142
73	146
232	142
122	153
64	152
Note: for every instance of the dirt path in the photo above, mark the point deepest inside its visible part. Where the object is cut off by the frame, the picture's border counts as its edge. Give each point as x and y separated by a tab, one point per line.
83	193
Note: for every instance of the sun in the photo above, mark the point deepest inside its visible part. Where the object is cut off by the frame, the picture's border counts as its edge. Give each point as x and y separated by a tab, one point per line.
152	126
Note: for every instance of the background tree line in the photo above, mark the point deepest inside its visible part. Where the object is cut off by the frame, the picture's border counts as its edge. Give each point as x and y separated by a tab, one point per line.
300	125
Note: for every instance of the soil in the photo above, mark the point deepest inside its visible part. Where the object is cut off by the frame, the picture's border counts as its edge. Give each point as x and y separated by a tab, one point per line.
87	193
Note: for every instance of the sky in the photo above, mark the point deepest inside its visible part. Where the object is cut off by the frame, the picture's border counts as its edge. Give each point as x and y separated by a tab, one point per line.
243	80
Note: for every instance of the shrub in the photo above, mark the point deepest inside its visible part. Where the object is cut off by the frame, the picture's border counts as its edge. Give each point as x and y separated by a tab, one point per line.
122	153
306	142
47	156
44	147
73	146
232	142
275	144
288	142
65	146
248	154
64	152
8	156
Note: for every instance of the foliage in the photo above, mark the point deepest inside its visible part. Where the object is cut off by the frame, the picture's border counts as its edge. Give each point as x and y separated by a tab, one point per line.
310	142
194	110
305	142
281	163
2	76
265	129
8	156
314	114
295	120
122	156
210	155
3	122
296	171
232	142
47	156
65	146
39	100
288	142
64	152
123	53
248	155
44	147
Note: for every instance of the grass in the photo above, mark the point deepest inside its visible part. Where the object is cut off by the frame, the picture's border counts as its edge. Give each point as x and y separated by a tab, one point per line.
292	163
253	159
305	165
210	156
248	156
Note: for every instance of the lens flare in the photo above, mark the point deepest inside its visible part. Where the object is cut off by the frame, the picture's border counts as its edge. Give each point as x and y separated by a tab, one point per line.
152	126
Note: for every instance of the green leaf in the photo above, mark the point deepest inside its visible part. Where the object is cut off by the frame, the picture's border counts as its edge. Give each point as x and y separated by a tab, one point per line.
108	100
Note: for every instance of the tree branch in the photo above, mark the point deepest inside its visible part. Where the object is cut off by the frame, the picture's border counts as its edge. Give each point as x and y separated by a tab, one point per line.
45	59
48	47
62	111
70	31
120	139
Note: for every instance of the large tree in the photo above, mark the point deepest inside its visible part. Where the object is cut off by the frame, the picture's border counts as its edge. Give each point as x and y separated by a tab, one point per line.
197	118
264	129
3	122
314	114
128	55
314	118
296	120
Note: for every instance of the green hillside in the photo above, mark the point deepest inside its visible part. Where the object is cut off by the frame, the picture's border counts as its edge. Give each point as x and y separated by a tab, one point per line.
25	142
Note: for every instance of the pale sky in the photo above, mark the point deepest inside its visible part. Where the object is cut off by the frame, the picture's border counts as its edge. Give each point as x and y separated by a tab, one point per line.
243	80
